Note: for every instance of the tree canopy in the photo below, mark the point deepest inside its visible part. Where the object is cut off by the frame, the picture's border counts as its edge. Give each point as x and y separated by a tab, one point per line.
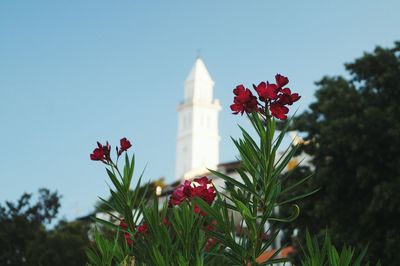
353	131
25	240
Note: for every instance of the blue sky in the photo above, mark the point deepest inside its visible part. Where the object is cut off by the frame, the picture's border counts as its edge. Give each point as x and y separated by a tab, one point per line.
74	72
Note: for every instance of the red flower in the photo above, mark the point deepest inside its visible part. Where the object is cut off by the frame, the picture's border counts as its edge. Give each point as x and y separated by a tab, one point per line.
281	80
97	155
203	188
287	98
206	194
266	91
196	209
275	98
295	97
244	101
125	145
123	224
279	111
128	239
127	236
199	187
211	242
165	221
142	229
181	193
202	181
242	94
101	153
210	227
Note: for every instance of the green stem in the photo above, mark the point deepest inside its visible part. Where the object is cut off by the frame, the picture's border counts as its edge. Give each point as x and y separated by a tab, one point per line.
116	168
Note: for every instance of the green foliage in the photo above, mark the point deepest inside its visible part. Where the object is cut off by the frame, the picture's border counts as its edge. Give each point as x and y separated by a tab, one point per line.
257	197
265	198
328	255
107	252
179	241
64	245
353	130
24	239
178	235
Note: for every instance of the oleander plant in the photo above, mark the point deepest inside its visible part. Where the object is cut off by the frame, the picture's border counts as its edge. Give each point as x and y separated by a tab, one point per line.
197	224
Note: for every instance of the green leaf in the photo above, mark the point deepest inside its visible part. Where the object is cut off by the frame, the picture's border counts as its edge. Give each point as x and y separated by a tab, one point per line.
297	184
244	210
280	166
298	197
108	224
291	218
232	181
115	181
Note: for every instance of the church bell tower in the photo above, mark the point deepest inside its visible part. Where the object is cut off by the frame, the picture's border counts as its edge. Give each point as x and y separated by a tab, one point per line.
197	145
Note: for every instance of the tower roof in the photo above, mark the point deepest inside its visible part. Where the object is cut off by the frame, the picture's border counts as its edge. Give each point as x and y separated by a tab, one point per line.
199	72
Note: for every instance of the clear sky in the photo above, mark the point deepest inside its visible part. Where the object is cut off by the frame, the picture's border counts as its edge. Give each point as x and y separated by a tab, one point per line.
74	72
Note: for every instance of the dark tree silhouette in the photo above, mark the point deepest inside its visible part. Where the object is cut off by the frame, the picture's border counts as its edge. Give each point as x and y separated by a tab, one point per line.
353	129
24	239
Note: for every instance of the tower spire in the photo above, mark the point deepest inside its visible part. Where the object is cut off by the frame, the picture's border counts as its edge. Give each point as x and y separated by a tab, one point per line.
199	84
197	145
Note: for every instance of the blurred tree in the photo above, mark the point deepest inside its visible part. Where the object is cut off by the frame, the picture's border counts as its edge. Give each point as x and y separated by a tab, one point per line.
354	133
24	239
64	245
22	223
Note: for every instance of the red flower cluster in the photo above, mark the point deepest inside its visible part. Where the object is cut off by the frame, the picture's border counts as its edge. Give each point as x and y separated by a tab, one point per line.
244	101
141	230
199	187
274	96
203	188
181	193
211	242
127	236
102	152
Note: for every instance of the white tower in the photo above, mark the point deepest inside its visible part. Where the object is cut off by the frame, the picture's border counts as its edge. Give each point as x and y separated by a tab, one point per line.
197	145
